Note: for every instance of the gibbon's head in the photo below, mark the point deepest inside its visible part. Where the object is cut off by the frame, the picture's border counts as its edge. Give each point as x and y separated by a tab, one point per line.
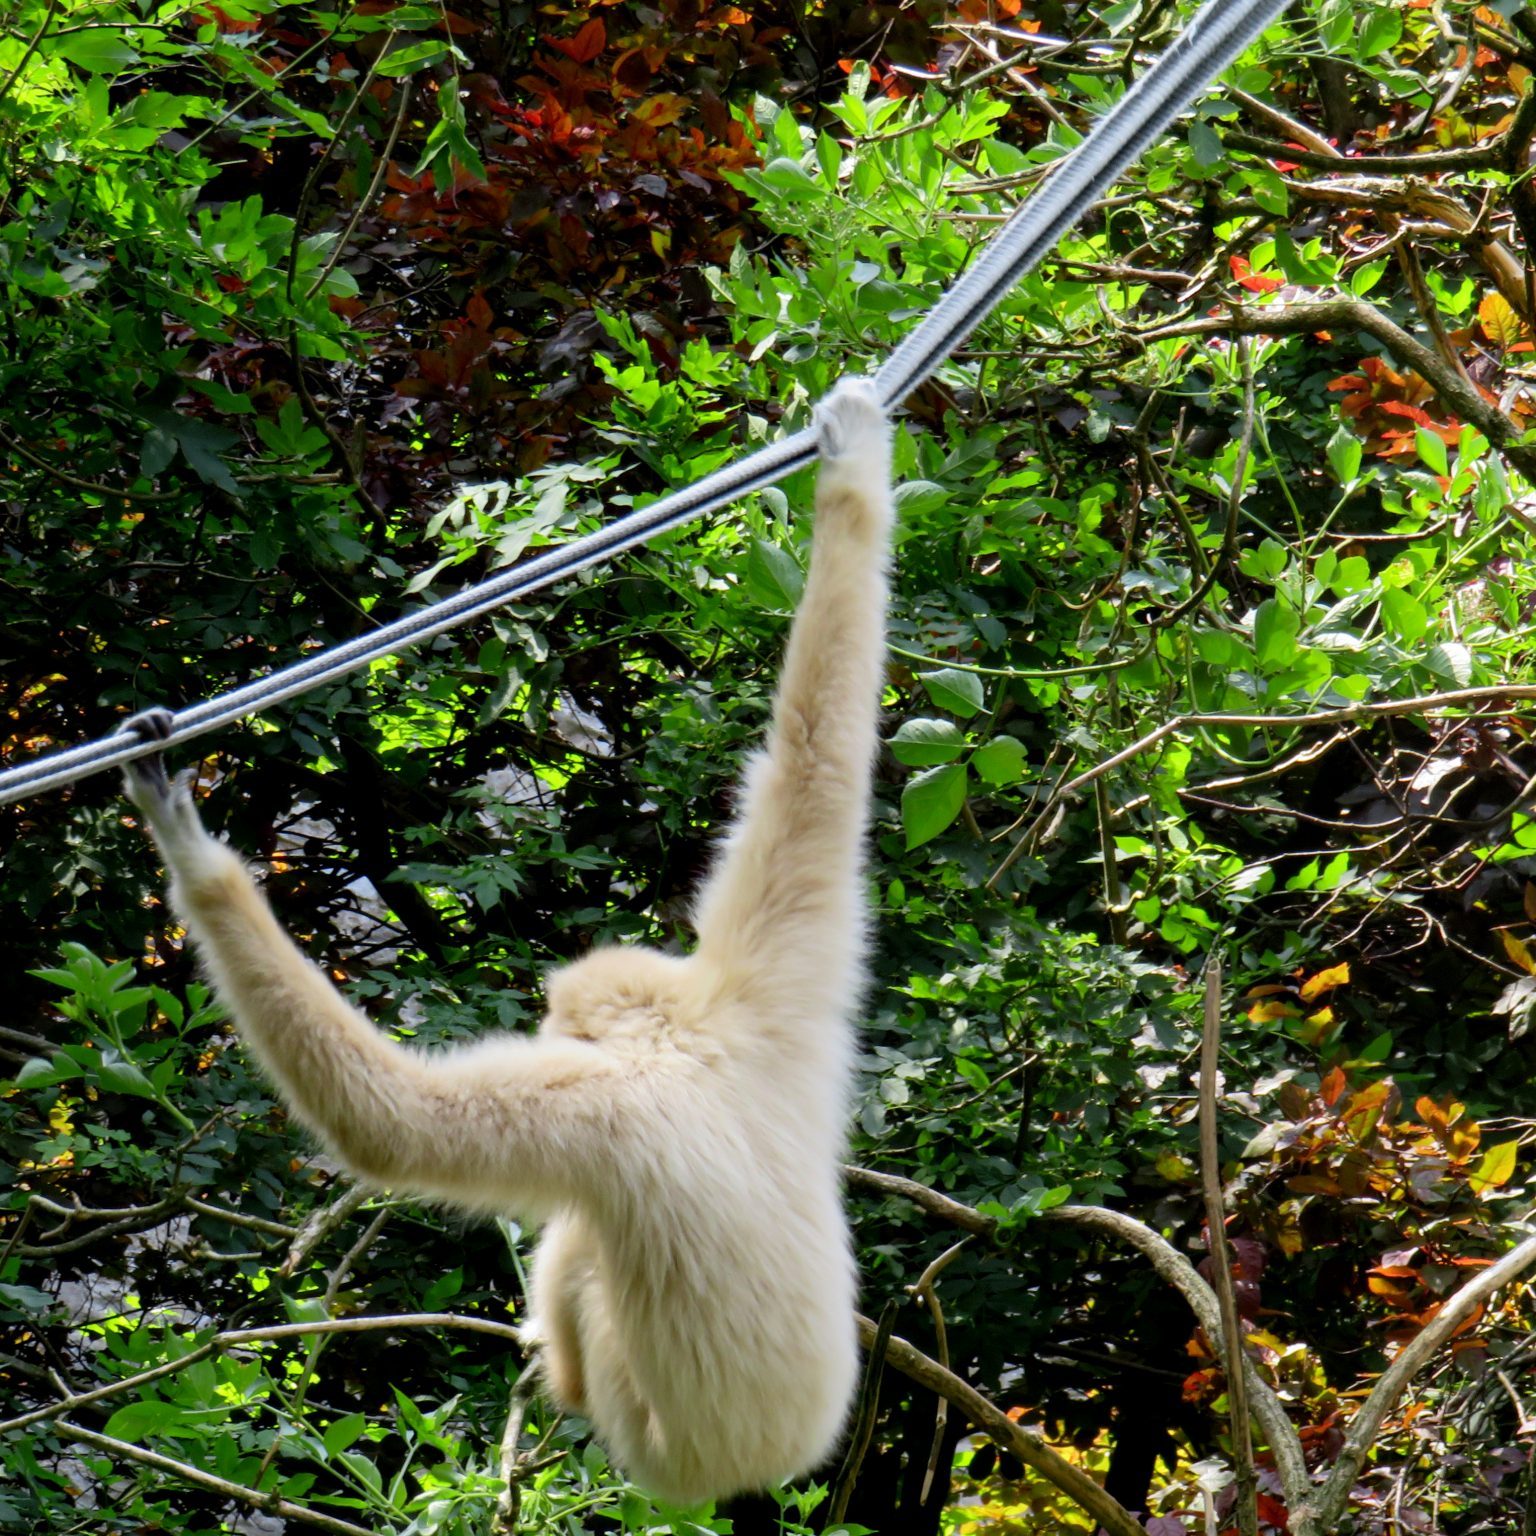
618	995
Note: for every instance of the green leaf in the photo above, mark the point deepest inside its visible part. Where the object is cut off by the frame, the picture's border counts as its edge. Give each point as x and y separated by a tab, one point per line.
1382	30
101	51
1264	563
922	743
1344	452
1404	616
1205	146
829	156
1275	627
1432	451
772	578
136	1422
958	692
156	451
1495	1167
119	1075
413	57
1452	661
343	1433
1001	760
931	801
790	179
1353	574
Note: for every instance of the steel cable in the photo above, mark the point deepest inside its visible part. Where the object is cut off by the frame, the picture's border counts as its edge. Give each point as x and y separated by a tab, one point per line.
1216	35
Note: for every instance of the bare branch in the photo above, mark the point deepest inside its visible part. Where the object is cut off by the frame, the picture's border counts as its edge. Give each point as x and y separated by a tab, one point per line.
1021	1442
1221	1257
1328	1502
190	1474
1305	316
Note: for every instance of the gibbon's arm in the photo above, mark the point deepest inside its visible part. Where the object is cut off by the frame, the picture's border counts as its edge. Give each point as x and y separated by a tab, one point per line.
783	912
497	1123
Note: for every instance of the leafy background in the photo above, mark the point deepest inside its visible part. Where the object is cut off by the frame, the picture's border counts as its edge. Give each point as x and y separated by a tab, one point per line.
310	311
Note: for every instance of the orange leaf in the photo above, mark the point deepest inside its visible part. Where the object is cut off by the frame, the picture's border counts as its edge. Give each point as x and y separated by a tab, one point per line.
1332	1087
1247	278
1501	325
1268	1012
1325	981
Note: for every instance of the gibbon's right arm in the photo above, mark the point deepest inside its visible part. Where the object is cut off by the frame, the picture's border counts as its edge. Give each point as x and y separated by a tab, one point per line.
495	1124
783	914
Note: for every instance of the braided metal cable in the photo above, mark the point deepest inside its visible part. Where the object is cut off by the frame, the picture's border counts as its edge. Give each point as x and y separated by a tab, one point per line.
1216	35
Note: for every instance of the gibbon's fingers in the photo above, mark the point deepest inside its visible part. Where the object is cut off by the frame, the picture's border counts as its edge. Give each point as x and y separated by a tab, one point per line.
165	803
144	779
783	913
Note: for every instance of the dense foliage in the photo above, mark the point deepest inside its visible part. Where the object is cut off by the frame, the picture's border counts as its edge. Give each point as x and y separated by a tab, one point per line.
309	312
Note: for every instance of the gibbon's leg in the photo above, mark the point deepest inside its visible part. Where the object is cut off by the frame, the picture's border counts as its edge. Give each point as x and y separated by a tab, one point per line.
501	1123
782	915
563	1269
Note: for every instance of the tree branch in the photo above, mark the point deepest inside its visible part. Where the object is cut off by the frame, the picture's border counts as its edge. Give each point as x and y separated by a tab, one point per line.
1221	1256
190	1474
1328	1502
1166	1261
1021	1442
1325	314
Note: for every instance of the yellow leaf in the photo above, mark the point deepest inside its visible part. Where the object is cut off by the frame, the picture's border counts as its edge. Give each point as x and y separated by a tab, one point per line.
1494	1167
1325	981
1268	1012
1500	323
1517	951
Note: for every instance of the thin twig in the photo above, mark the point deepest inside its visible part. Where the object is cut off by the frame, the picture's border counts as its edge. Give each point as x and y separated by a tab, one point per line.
864	1415
926	1289
1221	1257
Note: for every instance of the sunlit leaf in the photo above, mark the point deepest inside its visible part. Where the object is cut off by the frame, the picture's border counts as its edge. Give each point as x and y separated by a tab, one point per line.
1495	1167
1325	981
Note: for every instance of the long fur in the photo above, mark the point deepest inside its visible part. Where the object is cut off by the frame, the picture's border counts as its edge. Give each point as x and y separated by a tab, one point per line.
677	1122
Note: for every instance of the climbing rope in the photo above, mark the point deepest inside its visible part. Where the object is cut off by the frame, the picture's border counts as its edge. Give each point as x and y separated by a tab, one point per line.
1216	35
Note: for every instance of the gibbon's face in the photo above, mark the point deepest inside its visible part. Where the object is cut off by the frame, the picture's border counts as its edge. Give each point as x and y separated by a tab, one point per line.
621	997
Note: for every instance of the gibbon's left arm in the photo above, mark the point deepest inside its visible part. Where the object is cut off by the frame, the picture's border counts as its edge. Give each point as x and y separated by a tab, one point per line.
783	914
499	1123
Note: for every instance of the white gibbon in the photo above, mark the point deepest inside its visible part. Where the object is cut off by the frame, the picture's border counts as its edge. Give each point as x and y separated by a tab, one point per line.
677	1122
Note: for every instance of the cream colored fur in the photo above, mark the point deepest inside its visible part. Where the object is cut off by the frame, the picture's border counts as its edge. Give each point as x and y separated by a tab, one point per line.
677	1122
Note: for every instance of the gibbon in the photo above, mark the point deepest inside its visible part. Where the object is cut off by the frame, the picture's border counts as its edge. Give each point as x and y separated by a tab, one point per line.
677	1122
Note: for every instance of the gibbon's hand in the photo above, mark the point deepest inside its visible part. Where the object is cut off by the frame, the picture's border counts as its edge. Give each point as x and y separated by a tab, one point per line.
855	435
166	803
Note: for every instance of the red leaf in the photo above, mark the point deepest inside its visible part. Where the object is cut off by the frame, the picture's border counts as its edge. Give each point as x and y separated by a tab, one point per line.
586	45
